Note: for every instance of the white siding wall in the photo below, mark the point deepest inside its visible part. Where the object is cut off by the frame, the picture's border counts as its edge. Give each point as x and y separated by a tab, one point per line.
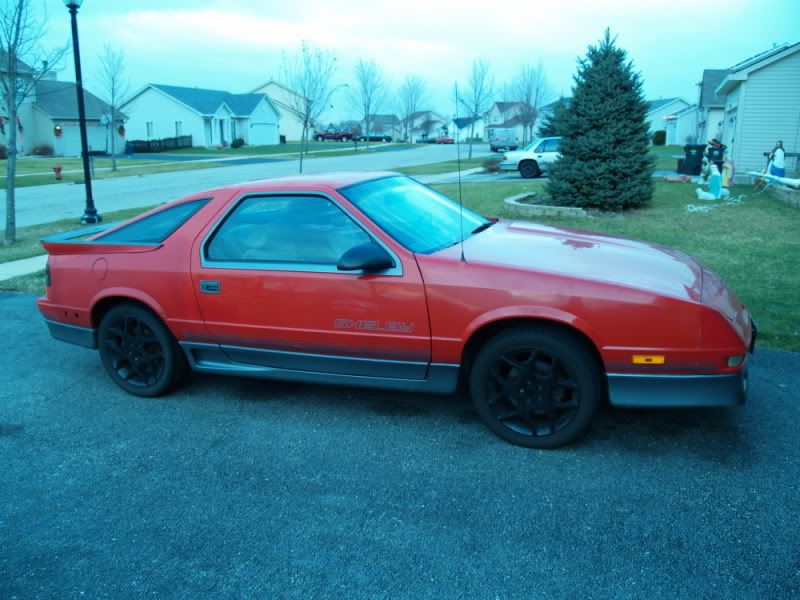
290	125
715	122
656	120
686	127
162	111
769	111
262	127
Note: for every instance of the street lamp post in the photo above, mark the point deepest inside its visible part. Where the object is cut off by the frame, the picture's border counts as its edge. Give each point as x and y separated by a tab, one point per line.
90	214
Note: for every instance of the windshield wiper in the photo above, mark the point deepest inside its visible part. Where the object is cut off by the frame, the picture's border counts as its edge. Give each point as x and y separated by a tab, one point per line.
483	227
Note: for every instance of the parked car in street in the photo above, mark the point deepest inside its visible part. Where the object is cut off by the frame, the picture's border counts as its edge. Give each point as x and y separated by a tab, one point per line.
335	135
375	137
444	139
534	160
502	139
375	280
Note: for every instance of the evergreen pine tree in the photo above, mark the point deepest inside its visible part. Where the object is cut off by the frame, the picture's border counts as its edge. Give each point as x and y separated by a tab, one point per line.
604	160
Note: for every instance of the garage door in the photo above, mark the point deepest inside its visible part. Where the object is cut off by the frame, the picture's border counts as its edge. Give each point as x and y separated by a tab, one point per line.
69	144
263	134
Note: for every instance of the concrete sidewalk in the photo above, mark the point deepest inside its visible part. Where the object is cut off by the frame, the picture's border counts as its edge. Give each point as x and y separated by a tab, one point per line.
15	268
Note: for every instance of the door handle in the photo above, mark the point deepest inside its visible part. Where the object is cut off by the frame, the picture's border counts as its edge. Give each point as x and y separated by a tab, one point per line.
210	286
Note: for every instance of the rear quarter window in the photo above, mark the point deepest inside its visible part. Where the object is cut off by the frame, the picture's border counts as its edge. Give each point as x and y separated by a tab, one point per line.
157	227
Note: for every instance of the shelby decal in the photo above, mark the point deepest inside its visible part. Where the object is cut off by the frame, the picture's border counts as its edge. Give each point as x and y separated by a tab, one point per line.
367	325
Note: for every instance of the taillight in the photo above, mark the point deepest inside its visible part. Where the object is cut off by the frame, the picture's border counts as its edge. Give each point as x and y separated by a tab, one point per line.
47	278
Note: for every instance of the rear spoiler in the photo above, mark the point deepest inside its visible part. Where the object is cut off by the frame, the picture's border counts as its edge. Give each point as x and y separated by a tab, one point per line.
69	242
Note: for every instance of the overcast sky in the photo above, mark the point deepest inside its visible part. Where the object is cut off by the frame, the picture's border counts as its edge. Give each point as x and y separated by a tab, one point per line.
236	45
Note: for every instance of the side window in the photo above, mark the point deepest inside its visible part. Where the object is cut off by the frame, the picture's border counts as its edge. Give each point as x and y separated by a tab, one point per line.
285	229
540	147
552	145
157	227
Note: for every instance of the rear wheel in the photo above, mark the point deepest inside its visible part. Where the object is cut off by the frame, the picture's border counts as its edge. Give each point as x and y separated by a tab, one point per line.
139	352
529	169
536	387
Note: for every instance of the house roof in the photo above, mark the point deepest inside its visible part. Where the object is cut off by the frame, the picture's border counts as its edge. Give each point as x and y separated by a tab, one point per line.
59	100
740	71
504	106
463	122
384	119
552	105
508	123
653	105
22	66
708	94
207	102
429	113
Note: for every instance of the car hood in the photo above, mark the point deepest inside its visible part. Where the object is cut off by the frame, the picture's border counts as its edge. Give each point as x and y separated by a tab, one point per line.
587	255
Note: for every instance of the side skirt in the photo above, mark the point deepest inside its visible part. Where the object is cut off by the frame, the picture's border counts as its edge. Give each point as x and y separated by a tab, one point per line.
212	358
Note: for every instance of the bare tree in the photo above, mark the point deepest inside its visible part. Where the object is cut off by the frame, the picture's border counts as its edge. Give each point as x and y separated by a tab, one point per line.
531	89
309	75
115	86
22	65
412	95
369	92
477	97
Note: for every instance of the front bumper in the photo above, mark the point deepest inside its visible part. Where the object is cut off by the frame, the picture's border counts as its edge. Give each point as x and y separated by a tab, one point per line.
677	391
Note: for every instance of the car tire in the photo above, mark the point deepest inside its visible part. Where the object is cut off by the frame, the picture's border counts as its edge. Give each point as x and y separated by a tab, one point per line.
320	138
386	140
139	352
529	169
537	387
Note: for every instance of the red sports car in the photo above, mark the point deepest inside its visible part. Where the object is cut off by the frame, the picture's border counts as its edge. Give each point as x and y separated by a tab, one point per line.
363	279
445	140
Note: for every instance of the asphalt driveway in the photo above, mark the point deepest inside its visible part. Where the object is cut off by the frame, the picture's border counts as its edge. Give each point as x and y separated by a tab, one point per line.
239	488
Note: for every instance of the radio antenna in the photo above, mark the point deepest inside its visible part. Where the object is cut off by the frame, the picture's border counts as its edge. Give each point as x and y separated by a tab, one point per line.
460	198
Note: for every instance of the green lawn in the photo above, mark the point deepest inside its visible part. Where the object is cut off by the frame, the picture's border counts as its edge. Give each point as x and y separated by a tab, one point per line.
28	245
39	171
449	166
754	245
33	283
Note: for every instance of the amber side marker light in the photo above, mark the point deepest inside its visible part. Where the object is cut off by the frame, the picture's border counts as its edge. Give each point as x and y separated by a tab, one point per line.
648	359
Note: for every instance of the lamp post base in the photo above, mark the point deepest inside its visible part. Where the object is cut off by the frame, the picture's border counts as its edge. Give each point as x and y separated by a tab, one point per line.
91	218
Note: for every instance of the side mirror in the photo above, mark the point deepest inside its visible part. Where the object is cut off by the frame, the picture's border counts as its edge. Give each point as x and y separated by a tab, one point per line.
368	257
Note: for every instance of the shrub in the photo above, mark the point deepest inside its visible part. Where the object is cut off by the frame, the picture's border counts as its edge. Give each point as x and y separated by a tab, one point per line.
659	137
3	152
491	165
604	160
237	143
42	150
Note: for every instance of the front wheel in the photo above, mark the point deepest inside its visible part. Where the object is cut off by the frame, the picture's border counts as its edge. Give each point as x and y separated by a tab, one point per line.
529	169
536	387
138	351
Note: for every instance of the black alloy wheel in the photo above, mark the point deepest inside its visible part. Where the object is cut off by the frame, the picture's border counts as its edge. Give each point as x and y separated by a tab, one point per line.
529	169
536	387
139	352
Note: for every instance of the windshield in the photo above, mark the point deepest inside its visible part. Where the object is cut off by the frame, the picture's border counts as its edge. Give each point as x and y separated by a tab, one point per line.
419	218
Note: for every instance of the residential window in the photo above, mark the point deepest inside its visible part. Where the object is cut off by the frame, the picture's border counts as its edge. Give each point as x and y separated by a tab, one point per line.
149	126
178	126
157	227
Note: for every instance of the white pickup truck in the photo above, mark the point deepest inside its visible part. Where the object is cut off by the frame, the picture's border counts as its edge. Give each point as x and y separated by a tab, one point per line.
534	160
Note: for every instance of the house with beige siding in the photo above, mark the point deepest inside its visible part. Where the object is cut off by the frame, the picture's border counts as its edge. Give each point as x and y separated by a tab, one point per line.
762	105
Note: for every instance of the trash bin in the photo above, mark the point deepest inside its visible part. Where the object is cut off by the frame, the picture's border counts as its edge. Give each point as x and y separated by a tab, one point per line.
715	154
693	159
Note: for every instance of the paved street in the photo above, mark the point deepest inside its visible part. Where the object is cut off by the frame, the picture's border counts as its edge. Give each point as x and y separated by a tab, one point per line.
232	488
42	204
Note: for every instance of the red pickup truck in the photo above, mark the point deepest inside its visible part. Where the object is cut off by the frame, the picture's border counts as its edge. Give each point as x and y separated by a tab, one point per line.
333	134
